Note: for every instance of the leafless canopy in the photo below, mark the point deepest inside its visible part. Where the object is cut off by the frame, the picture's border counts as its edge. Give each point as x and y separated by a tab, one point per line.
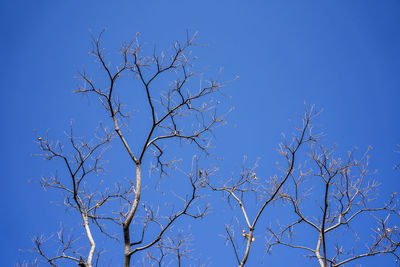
183	111
335	199
238	190
323	195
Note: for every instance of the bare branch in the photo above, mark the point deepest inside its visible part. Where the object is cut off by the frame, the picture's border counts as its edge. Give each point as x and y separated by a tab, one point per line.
248	182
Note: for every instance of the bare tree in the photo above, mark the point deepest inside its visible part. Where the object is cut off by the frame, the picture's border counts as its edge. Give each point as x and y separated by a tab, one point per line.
344	188
181	108
337	199
247	185
180	104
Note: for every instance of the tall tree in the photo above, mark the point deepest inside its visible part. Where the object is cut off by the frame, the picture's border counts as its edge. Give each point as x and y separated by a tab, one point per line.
183	111
331	195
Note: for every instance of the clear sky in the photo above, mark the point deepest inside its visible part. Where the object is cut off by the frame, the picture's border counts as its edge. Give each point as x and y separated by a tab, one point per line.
342	56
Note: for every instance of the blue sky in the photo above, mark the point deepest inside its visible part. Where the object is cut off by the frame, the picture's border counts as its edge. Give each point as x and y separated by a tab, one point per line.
342	56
